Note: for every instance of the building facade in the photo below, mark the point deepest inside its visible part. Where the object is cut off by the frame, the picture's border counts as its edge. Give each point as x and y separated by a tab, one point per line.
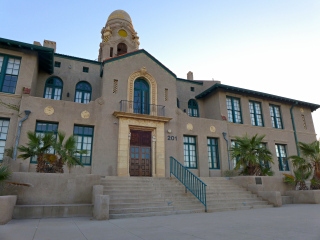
132	114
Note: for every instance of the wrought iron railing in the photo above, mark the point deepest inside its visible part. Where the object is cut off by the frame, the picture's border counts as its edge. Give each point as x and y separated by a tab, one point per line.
189	180
142	108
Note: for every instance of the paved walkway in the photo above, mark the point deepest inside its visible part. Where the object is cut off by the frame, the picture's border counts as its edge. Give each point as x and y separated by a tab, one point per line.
288	222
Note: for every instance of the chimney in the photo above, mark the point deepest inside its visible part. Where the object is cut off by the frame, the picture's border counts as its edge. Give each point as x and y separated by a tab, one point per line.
36	43
49	44
190	75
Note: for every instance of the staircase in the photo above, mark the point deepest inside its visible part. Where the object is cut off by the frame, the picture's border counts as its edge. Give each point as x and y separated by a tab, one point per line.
144	196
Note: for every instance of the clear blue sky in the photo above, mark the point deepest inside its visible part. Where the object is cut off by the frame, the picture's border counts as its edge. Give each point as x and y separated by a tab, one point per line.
270	46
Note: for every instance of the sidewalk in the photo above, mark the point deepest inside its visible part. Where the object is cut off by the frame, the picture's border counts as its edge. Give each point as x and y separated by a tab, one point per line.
288	222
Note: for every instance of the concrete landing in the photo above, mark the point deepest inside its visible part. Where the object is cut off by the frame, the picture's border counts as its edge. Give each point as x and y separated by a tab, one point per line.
257	224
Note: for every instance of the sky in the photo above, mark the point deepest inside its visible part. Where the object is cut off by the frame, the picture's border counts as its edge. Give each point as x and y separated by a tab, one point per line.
269	46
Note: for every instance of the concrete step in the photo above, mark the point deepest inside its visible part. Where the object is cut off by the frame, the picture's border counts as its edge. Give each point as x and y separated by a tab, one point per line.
238	208
52	211
150	214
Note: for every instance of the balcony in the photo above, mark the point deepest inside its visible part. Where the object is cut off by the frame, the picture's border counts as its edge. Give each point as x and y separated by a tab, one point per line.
138	110
141	108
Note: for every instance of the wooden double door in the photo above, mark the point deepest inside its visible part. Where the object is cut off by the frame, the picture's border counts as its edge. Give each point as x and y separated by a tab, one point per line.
140	153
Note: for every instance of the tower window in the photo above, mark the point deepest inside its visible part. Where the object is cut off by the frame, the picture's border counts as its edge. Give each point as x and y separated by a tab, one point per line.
85	69
121	49
192	89
111	52
57	64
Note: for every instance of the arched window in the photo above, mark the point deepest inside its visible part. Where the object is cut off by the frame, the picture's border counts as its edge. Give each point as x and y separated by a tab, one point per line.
53	88
121	49
193	108
83	92
141	97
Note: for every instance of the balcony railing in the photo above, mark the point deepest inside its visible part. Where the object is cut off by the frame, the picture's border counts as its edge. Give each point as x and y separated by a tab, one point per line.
142	108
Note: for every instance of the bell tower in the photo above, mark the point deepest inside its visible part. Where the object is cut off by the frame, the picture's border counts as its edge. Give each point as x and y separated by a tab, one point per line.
118	36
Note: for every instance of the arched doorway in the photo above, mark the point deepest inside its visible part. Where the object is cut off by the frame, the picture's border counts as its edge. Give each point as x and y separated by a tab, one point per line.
141	97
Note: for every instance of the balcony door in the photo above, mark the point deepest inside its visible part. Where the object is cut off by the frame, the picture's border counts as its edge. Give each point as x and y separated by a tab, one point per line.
141	97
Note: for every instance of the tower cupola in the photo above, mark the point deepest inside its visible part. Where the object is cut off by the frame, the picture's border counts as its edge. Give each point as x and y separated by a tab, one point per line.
118	36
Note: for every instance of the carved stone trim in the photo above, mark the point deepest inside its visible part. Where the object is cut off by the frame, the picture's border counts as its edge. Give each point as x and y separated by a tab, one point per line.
151	81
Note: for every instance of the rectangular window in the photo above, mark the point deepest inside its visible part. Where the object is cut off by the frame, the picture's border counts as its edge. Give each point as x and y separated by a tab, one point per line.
190	152
213	153
256	113
234	110
263	163
84	139
57	64
41	129
192	89
4	127
234	160
282	157
9	71
275	116
85	69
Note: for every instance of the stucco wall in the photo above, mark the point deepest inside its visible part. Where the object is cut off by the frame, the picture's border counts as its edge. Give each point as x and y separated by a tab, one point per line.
51	188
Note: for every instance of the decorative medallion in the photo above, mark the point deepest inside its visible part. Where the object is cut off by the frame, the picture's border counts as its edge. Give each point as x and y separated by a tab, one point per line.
212	129
143	71
49	110
301	110
85	114
189	126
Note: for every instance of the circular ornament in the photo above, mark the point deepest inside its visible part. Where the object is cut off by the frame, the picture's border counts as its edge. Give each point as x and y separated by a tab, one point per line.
189	126
122	33
212	129
49	110
85	114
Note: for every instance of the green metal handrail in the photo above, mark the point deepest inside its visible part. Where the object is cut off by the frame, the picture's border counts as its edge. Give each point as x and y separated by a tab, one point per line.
189	180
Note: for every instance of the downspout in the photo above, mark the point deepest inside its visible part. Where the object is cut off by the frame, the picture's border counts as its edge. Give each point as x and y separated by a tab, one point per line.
27	112
294	128
224	136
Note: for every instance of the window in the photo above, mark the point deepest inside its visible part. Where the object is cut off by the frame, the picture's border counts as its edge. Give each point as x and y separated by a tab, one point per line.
213	153
282	157
236	159
256	113
166	94
57	64
193	108
4	127
234	110
53	89
141	97
84	139
83	92
178	103
263	163
41	129
192	89
275	116
9	71
190	152
85	69
111	52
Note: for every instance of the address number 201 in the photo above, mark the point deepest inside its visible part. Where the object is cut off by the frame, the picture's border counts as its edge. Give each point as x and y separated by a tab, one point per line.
172	138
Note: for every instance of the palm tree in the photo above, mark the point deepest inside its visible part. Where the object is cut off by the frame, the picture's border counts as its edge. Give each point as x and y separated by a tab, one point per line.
250	153
67	152
311	152
37	146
